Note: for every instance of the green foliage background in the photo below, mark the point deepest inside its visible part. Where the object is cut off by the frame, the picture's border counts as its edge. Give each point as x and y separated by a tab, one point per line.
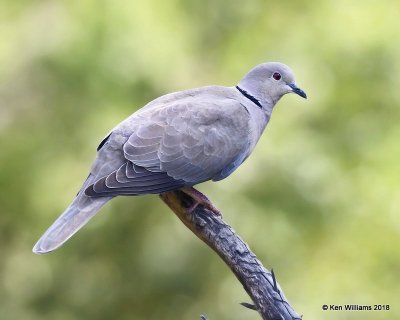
319	199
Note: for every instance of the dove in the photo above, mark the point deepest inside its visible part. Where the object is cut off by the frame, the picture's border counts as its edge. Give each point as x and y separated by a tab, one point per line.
175	142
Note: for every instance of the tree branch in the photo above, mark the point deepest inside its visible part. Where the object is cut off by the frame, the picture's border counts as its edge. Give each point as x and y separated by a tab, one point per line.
259	283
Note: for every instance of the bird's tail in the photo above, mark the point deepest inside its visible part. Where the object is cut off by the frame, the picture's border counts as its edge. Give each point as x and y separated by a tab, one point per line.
80	211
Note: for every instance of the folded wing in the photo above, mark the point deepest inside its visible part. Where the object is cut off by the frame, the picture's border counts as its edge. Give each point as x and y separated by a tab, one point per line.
180	144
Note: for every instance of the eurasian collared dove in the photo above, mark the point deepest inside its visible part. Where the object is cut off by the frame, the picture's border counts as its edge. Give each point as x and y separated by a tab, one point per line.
176	141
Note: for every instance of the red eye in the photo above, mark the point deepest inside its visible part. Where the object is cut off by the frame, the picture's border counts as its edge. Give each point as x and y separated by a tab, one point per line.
277	76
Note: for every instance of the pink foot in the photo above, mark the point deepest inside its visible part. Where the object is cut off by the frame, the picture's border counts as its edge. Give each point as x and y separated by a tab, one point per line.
200	199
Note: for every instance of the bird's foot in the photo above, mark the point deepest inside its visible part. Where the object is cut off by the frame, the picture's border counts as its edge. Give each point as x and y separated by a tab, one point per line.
200	199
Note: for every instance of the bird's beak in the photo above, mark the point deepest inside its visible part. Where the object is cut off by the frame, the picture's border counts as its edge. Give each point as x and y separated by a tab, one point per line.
297	90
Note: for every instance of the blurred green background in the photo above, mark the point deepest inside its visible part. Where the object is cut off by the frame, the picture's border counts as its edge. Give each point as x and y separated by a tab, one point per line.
318	200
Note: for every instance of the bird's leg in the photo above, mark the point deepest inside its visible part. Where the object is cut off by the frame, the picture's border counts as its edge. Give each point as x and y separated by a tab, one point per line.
199	199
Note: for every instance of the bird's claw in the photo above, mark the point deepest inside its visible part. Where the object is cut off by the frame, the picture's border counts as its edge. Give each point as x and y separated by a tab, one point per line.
200	199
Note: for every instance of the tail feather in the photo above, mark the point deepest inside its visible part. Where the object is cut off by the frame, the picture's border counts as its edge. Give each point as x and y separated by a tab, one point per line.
81	210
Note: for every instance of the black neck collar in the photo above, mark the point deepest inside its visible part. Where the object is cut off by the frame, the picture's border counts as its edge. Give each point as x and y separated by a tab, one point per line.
249	96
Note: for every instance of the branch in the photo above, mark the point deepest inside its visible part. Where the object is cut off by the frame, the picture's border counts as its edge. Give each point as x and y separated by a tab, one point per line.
259	283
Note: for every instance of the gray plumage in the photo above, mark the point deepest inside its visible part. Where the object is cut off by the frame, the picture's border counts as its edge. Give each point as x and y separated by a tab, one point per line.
178	140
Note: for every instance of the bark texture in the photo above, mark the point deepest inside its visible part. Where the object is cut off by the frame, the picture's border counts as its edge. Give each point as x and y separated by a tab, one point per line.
259	283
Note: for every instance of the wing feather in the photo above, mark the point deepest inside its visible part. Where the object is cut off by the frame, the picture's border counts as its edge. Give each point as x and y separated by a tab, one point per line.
181	143
142	184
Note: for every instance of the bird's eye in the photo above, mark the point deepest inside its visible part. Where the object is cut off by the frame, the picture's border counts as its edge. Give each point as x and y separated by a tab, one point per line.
277	76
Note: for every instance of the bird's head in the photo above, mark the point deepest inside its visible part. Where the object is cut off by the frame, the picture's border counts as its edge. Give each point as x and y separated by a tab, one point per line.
268	82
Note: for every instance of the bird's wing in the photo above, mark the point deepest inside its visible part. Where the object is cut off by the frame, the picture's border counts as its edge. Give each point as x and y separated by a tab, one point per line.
181	143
